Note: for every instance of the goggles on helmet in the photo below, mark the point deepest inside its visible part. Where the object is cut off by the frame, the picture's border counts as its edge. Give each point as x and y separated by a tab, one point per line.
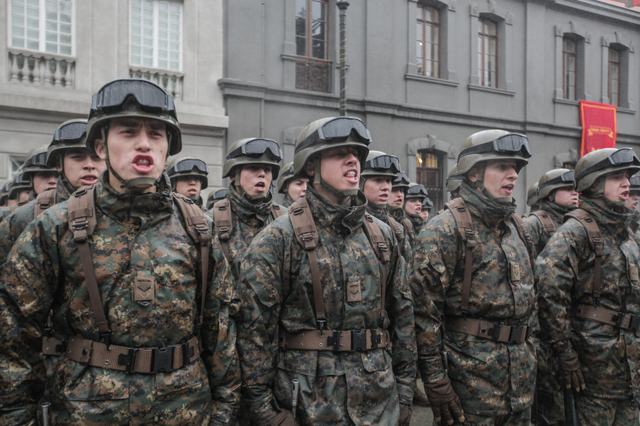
149	96
427	203
455	177
338	130
38	160
567	177
513	143
384	162
402	179
189	165
620	158
417	190
257	148
634	183
71	131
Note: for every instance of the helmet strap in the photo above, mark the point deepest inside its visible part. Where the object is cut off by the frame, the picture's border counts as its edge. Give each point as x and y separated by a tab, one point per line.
137	185
317	180
64	179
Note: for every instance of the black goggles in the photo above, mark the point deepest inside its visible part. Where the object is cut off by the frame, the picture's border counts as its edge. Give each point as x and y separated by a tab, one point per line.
384	162
427	203
256	148
219	194
634	183
455	177
38	160
511	144
338	130
149	96
417	190
620	158
20	180
566	178
70	132
401	179
189	165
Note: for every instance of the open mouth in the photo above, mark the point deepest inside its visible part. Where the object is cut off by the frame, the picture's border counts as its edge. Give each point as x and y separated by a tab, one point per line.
624	195
89	179
143	163
261	186
508	188
352	176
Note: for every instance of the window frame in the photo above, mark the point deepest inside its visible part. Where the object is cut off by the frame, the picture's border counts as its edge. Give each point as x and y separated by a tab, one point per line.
309	31
424	24
42	29
618	63
436	191
482	37
565	55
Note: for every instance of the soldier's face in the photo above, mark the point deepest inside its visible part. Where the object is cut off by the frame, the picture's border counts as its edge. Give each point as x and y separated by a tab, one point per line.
137	149
413	206
24	195
396	199
499	177
424	214
339	168
616	186
297	188
566	197
632	201
44	181
189	186
377	188
256	178
82	167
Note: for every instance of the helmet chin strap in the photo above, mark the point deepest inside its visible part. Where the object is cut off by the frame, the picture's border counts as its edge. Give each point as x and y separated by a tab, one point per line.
255	199
66	181
317	180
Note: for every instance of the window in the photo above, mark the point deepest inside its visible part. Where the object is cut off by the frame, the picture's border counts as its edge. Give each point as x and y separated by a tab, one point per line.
569	60
42	25
428	42
312	45
156	34
16	163
488	53
430	172
614	77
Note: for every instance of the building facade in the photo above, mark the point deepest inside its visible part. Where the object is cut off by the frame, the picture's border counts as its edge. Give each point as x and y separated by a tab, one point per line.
424	75
59	52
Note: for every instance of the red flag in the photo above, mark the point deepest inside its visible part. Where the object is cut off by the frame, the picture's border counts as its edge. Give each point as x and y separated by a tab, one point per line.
599	129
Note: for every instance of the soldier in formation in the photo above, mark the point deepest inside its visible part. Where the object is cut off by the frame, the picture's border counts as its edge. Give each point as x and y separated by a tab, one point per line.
413	199
293	187
188	177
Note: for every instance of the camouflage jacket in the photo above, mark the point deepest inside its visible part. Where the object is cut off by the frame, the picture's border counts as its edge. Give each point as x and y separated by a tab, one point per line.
491	378
141	235
382	213
14	224
609	356
399	215
418	223
361	388
535	227
248	219
6	211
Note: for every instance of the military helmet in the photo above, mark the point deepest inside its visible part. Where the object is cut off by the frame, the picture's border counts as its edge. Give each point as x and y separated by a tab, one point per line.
554	179
493	145
329	133
36	162
133	98
532	195
380	164
416	190
19	183
598	163
286	177
4	193
214	197
634	183
70	135
427	204
454	180
400	182
187	166
253	151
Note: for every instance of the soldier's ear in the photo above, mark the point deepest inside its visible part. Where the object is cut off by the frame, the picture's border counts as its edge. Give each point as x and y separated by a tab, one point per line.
100	149
472	175
310	168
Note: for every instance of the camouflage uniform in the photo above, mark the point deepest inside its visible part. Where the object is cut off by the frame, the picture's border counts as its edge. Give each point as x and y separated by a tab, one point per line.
287	201
491	378
608	355
135	235
382	214
345	388
417	221
399	215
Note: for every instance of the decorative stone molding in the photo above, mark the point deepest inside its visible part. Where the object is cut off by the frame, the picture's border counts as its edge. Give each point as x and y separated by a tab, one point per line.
170	81
41	69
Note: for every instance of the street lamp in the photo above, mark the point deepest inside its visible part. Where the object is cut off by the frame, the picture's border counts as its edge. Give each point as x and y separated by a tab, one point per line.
343	5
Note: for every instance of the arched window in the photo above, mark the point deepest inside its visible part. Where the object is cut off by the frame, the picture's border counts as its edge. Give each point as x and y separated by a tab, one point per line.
430	173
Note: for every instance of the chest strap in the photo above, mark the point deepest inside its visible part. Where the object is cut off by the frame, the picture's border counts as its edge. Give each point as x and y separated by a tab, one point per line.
396	228
223	224
621	320
335	340
547	223
514	334
43	201
133	360
276	210
408	227
464	223
597	244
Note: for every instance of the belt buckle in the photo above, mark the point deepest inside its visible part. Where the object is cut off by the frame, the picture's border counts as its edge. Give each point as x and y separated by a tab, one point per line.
128	360
359	340
517	334
375	339
162	360
187	353
634	324
495	332
334	340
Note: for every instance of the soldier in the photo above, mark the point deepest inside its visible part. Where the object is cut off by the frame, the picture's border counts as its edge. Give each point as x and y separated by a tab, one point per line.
214	197
454	181
43	177
4	193
427	205
472	284
140	301
416	193
396	204
532	198
293	187
634	193
336	320
588	292
188	177
74	166
21	191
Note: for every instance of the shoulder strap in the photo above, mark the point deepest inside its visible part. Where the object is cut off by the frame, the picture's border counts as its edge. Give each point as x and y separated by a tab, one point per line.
464	223
223	223
396	228
597	244
525	237
198	230
381	249
408	226
547	224
82	223
43	201
276	210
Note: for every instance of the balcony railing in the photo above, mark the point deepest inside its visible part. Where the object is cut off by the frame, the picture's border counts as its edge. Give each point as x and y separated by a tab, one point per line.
170	81
41	69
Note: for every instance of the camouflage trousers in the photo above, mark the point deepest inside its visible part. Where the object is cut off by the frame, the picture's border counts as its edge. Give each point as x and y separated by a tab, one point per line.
521	418
606	412
550	399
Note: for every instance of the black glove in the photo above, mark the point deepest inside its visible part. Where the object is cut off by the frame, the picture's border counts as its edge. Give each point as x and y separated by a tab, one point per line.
444	401
405	415
571	370
285	418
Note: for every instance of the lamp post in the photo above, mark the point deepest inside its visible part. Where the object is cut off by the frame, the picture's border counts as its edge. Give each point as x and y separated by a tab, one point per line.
343	5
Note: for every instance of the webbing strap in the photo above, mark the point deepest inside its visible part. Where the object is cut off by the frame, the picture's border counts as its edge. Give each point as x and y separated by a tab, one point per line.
408	226
547	224
223	224
381	249
597	244
276	210
43	201
464	223
525	237
396	228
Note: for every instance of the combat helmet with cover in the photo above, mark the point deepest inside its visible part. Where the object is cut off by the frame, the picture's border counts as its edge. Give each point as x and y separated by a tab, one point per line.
532	195
36	162
416	191
286	177
380	164
187	166
555	179
401	181
18	184
68	136
634	184
214	197
454	180
252	151
597	164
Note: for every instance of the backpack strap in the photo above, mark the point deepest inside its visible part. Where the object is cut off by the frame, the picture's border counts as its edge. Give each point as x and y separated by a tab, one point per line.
547	224
276	210
464	223
198	230
396	228
223	223
597	244
44	200
381	249
408	226
306	234
525	236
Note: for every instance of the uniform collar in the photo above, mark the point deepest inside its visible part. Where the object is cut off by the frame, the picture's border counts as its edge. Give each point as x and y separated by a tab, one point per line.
342	218
248	212
487	209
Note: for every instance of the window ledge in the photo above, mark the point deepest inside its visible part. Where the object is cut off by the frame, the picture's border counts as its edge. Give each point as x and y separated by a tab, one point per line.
40	54
626	110
424	79
171	81
491	90
566	101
